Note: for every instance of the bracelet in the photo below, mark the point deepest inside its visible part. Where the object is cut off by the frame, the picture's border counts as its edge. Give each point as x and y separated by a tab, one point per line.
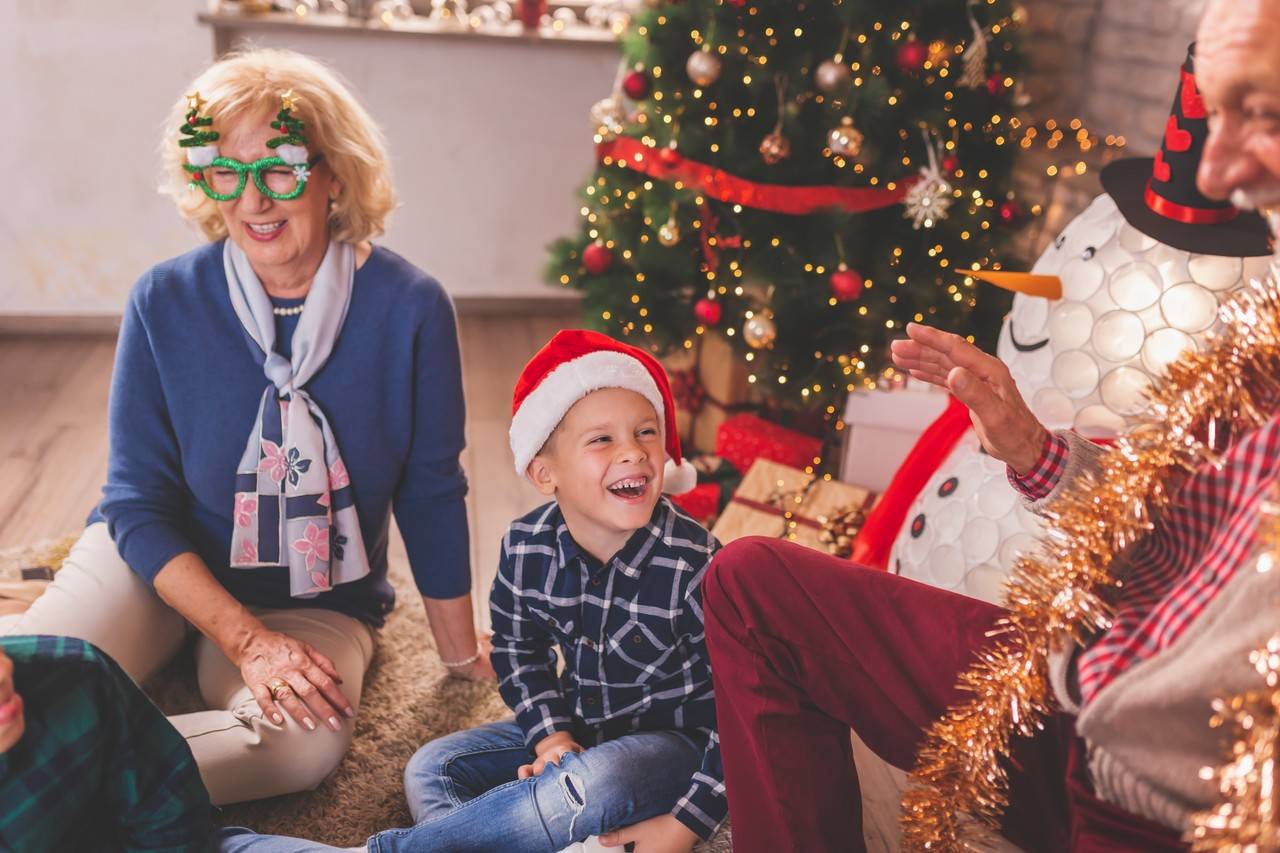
458	664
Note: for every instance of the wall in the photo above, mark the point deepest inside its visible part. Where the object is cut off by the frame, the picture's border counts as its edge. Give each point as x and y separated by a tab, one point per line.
83	86
490	142
1113	64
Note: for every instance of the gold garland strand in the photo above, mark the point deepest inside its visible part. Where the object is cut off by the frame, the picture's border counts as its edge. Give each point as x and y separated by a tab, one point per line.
1248	819
959	787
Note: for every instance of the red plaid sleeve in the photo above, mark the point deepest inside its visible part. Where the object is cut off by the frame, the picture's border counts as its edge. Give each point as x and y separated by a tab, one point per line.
1044	475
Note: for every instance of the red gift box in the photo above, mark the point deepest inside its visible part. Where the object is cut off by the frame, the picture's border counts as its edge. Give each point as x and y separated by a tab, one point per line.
743	439
702	503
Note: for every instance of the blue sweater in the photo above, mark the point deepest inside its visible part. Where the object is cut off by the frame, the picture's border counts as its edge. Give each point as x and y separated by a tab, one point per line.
185	393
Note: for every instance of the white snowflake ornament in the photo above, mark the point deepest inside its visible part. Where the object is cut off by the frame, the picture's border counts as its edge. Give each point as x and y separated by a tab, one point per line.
929	198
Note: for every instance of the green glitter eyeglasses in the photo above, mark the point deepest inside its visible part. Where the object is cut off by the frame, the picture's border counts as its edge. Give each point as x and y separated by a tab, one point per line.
224	179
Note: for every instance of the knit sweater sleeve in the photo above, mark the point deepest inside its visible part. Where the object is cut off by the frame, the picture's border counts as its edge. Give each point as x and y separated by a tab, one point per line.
145	496
430	503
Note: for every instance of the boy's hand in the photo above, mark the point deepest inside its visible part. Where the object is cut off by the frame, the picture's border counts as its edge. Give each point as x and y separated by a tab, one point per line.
661	834
550	749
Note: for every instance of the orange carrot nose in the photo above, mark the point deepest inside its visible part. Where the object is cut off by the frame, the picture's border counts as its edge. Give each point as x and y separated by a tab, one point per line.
1048	286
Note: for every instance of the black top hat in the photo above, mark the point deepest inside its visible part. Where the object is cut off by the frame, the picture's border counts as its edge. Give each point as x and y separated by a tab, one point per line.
1158	196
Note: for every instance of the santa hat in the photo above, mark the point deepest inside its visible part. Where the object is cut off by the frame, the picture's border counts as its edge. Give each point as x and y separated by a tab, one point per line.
573	364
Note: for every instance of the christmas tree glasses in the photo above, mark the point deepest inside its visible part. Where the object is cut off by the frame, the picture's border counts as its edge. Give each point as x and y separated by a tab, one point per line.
224	179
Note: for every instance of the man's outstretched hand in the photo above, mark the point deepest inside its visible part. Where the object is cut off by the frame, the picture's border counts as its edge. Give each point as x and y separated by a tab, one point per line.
1005	426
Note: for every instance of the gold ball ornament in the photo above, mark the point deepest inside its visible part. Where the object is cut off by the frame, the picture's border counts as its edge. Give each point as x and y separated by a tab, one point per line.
607	116
669	233
832	77
845	139
703	67
759	331
775	147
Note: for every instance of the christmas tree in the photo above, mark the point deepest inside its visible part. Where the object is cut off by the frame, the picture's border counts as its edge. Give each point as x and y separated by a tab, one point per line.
804	178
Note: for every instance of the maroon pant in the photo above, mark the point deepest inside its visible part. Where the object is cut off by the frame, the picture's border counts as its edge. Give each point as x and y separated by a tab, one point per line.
805	646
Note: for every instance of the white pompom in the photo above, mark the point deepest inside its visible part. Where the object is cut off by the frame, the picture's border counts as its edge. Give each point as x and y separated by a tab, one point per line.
678	479
202	155
294	155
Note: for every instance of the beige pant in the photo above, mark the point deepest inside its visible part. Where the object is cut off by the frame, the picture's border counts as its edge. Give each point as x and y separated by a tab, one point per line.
241	754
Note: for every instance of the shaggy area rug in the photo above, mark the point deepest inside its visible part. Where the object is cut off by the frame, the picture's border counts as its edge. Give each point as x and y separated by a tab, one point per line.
407	700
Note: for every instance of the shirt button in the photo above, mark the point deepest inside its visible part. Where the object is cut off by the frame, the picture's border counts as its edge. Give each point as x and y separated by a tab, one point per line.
596	581
635	638
590	700
589	643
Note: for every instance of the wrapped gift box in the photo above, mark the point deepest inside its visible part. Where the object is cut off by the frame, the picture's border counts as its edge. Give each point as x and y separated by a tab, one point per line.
742	439
784	502
881	427
709	382
702	503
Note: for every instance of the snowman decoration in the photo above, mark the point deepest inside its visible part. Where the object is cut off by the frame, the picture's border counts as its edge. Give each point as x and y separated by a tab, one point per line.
1127	287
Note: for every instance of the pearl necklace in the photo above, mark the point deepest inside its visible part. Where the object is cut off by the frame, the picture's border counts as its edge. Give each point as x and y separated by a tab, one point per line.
291	311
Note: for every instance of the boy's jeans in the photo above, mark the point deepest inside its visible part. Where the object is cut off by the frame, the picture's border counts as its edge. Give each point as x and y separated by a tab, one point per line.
464	795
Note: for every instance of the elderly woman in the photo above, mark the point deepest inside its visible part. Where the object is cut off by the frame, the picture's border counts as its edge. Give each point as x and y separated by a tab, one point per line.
277	392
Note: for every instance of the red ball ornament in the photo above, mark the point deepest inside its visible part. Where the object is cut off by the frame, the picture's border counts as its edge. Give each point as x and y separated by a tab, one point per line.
708	311
846	284
995	84
637	85
597	258
911	55
950	163
1012	213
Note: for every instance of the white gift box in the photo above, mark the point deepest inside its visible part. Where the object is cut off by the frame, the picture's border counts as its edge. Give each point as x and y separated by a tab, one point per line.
881	427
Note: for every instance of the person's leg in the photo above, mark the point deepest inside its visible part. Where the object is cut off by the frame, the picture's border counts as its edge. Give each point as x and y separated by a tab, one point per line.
805	646
451	770
244	756
616	784
96	597
239	839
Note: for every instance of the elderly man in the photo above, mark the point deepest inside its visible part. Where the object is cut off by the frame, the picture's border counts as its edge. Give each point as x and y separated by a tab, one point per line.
805	646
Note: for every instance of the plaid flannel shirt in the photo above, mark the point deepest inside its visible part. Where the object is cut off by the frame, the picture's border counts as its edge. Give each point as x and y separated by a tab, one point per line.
631	633
98	767
1206	535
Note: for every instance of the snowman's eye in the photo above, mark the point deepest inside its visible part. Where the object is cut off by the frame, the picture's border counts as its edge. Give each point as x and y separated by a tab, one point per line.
1088	253
1059	240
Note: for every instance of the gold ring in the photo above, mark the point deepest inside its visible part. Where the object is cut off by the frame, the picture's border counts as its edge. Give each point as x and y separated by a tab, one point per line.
279	688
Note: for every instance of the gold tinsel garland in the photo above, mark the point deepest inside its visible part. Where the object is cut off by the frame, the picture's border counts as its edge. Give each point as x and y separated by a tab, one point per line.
1248	819
959	787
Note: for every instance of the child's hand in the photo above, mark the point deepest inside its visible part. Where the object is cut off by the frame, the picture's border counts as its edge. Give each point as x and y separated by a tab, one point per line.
661	834
550	749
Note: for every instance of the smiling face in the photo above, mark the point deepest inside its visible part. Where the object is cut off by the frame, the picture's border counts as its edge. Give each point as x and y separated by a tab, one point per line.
1238	70
284	240
1130	306
604	464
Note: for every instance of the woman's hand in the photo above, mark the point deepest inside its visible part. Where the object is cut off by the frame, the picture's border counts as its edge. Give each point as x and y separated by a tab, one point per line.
305	682
661	834
482	668
12	721
1005	426
549	750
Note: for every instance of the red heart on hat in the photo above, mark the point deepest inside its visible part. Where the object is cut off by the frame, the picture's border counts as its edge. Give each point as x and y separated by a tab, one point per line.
1175	138
1161	171
1189	94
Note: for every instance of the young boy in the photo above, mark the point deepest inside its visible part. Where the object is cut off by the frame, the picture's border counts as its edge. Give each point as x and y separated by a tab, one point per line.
623	743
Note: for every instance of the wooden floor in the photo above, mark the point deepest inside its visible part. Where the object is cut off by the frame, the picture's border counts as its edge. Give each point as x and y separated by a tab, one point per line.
53	432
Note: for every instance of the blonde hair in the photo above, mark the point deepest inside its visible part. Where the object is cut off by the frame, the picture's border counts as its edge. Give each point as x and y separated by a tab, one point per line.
249	83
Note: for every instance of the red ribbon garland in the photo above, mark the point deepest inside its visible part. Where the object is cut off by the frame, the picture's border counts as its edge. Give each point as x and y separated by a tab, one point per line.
712	240
730	189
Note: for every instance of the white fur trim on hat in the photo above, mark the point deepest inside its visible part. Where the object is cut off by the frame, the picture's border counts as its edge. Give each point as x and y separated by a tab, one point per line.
678	479
546	405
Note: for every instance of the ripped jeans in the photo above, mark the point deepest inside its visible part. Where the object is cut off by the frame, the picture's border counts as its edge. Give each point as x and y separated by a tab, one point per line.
464	795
